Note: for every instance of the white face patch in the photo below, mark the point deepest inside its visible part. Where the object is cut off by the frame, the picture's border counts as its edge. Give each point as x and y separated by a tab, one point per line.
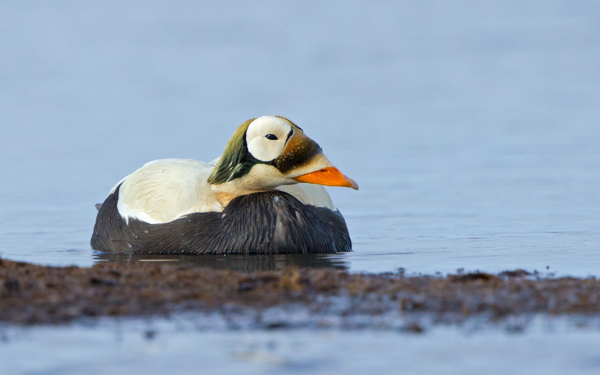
266	137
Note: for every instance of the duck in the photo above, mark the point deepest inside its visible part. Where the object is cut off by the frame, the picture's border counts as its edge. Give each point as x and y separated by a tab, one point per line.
264	195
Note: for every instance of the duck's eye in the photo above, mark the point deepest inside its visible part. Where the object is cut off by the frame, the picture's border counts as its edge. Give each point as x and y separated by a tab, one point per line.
272	137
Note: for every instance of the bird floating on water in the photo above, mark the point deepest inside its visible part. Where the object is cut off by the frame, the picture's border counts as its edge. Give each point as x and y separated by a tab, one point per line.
262	196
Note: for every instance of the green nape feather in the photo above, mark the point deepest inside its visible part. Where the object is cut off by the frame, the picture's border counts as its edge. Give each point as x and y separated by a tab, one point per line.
232	164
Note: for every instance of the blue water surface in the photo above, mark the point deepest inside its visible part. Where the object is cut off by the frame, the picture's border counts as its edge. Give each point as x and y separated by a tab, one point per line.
471	127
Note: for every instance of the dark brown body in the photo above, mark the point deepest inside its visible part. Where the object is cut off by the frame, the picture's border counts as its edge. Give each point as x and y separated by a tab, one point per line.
271	222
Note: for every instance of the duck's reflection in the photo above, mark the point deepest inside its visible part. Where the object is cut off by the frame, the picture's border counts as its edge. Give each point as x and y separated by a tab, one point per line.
243	263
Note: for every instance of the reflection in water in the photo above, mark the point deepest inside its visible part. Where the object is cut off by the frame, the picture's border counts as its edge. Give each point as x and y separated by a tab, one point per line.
244	263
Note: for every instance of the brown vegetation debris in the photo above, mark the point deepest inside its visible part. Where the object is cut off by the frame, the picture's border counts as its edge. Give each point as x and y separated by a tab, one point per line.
31	294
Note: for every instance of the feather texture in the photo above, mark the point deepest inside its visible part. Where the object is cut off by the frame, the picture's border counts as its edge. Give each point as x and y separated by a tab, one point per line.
231	164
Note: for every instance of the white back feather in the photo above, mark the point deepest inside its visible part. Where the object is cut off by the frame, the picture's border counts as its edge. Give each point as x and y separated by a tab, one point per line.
165	190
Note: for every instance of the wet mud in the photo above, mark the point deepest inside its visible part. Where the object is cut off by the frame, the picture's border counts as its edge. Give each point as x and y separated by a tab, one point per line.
33	294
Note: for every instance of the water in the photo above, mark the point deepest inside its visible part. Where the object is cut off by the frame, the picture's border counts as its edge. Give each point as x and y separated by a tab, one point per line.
471	127
189	347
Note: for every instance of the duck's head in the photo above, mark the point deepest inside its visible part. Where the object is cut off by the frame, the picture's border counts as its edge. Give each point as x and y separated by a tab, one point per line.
270	151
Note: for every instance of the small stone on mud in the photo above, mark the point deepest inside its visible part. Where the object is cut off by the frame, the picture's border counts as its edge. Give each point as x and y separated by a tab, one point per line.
412	327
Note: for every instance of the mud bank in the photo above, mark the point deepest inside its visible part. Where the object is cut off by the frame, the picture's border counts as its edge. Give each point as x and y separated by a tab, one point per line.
33	294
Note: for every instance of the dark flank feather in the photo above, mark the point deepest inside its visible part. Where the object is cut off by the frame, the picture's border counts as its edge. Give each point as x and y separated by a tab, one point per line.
271	222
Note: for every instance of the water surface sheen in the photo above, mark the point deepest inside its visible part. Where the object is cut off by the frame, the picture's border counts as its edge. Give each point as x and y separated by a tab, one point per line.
242	263
472	128
191	345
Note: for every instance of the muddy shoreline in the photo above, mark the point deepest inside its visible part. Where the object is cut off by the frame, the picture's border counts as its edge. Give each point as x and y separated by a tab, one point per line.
33	294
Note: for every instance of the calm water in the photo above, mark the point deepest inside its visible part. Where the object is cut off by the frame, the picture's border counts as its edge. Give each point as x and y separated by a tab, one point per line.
472	128
188	346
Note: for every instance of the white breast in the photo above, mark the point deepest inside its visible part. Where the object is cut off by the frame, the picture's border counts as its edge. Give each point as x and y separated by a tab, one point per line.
314	195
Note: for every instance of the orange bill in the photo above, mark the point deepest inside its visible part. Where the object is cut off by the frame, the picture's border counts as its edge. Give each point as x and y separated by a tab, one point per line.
329	176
